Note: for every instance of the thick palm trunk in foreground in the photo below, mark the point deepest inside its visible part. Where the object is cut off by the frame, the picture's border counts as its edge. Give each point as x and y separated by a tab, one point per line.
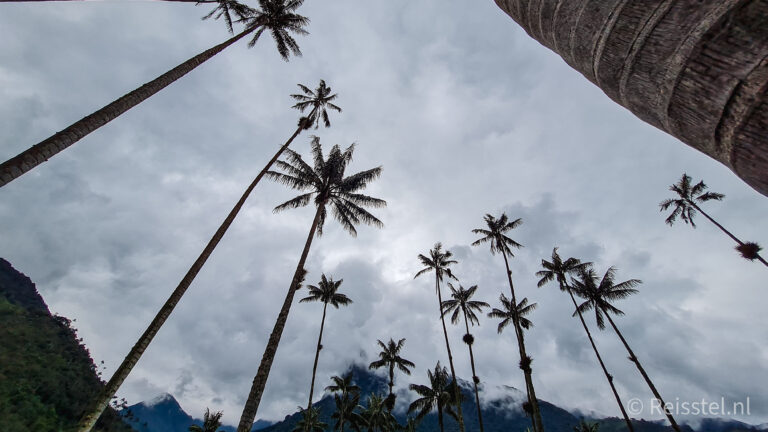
475	379
456	393
260	380
42	151
525	362
633	358
608	376
722	228
317	356
122	372
695	69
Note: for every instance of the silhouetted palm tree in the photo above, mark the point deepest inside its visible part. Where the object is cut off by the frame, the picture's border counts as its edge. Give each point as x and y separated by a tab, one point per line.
376	416
389	356
599	294
438	261
211	422
686	207
326	292
310	421
346	397
508	314
461	303
437	395
560	270
318	102
586	427
495	234
326	182
277	16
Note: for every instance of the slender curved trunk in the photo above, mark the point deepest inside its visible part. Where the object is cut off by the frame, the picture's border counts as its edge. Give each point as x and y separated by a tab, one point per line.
42	151
122	372
317	356
475	379
722	228
608	376
633	358
536	414
391	378
260	380
456	393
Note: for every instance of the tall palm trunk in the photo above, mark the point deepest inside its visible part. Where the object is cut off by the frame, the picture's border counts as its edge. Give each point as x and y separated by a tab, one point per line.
525	362
440	416
317	355
391	379
608	376
762	260
633	358
260	380
122	372
475	379
42	151
456	393
695	69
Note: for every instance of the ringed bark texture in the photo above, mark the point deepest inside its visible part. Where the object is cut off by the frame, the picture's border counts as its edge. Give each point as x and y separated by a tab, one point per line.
696	69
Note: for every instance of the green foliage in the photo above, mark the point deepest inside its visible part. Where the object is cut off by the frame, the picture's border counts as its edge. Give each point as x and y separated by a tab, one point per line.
47	377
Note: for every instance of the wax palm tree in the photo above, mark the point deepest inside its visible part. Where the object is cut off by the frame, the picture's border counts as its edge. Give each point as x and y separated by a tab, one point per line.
437	395
321	96
326	292
599	295
508	314
346	397
211	422
310	421
276	16
376	416
559	270
462	303
583	426
389	356
438	262
496	236
686	205
326	182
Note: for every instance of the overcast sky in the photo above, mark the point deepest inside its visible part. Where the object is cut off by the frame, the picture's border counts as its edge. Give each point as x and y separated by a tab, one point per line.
466	114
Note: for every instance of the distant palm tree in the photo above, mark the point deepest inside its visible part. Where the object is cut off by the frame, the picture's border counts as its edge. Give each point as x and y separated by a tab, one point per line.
599	295
376	416
685	206
508	314
346	396
319	100
437	395
495	234
326	182
327	293
461	303
586	427
211	422
560	270
310	421
277	16
389	356
438	261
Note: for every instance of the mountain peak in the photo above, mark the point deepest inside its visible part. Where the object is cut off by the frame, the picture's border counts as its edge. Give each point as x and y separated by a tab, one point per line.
161	399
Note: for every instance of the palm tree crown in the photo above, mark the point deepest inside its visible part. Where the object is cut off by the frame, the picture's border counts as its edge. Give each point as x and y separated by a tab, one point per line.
310	421
389	356
599	293
342	385
279	17
227	8
461	303
438	394
327	183
495	234
438	261
508	313
211	422
688	196
376	416
319	101
559	269
327	293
